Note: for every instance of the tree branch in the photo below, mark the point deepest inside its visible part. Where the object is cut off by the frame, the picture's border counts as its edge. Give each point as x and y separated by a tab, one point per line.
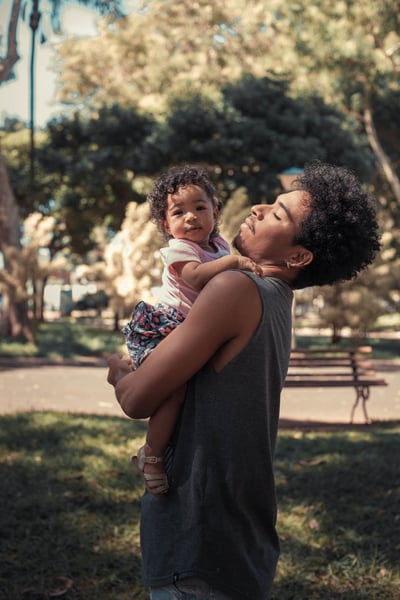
12	57
389	54
380	154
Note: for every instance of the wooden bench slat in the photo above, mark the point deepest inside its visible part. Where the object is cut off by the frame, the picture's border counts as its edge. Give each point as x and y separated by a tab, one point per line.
333	383
333	367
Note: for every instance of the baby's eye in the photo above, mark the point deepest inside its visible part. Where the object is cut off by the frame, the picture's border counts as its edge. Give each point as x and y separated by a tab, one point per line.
201	208
176	213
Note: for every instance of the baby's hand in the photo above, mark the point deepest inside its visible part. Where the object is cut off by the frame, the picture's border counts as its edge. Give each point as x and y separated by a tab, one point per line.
118	367
246	264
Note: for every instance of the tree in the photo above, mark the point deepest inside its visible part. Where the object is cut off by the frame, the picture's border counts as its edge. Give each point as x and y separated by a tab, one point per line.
15	299
349	52
353	305
15	148
257	131
152	54
132	261
96	166
16	307
31	12
91	166
38	258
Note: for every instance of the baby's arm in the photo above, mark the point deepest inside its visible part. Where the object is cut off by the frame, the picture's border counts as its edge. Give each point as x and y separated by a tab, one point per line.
197	274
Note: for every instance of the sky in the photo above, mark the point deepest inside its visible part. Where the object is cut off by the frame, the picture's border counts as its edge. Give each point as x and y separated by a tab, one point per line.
14	95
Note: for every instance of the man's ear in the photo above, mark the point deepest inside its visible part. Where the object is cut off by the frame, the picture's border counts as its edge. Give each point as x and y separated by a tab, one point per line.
301	258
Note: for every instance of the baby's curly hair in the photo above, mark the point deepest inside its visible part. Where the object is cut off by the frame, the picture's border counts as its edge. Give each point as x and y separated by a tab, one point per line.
341	229
170	182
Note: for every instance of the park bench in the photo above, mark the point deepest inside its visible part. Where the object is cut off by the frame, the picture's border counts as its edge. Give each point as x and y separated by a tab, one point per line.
335	367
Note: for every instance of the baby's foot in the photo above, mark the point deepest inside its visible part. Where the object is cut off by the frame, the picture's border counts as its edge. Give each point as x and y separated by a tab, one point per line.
152	471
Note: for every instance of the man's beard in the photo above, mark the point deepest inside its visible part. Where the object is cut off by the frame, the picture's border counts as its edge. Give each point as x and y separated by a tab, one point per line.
235	241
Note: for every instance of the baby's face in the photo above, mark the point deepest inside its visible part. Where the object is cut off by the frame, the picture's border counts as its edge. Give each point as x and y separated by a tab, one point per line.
190	215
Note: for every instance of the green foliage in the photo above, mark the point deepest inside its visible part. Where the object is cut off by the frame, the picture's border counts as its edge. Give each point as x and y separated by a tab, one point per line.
386	109
91	167
70	510
267	132
15	149
258	132
355	304
256	90
345	49
154	54
92	163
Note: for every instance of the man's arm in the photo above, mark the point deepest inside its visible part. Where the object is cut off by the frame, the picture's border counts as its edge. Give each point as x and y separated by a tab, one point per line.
218	326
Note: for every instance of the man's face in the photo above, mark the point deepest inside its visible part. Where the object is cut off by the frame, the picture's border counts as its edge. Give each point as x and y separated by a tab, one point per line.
268	234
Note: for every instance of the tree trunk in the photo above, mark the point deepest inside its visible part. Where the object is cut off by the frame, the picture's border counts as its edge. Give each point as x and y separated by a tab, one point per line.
380	154
43	283
7	63
15	302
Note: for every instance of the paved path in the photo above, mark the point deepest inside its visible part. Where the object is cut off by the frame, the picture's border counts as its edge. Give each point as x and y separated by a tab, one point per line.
35	385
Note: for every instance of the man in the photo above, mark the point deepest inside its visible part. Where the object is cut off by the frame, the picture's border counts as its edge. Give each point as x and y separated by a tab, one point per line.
213	535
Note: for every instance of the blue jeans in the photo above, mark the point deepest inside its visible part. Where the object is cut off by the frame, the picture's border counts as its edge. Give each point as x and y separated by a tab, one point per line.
191	588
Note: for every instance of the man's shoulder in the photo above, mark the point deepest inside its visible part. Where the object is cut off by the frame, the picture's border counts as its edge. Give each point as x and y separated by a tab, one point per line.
234	277
231	285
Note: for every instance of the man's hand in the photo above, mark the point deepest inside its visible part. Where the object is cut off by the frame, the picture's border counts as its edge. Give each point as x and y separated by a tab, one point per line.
118	367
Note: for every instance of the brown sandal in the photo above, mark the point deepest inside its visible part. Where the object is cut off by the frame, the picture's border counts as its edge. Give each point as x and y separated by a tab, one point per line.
156	483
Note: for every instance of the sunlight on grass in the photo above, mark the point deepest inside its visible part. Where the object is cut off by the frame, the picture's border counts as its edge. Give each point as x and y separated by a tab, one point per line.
338	514
66	339
70	506
17	350
70	500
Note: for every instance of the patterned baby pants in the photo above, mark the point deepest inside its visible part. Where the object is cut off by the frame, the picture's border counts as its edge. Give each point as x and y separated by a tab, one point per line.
148	326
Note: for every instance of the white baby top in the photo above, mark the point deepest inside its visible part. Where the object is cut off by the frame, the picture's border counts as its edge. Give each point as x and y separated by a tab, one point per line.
174	291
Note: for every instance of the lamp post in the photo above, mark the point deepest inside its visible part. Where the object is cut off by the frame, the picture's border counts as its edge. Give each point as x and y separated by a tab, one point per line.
287	177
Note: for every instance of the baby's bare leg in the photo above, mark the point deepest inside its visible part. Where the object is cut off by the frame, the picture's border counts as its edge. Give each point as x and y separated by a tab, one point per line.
160	428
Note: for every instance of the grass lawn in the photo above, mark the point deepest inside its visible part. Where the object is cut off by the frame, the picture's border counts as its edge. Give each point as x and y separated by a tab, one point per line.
65	339
70	510
70	338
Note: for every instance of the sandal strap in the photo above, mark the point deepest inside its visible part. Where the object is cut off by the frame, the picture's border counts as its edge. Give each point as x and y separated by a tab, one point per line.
153	459
156	483
141	459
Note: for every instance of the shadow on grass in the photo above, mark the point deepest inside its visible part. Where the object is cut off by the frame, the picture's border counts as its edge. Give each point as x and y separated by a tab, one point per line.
339	519
69	523
70	505
73	339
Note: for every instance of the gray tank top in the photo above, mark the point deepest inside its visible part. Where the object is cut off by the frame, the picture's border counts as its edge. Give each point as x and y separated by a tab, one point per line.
218	520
